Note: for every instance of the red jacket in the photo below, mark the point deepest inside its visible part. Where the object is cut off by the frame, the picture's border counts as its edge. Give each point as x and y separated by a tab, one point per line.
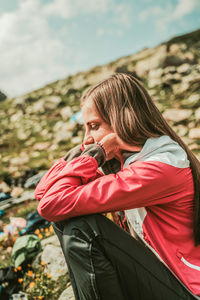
155	188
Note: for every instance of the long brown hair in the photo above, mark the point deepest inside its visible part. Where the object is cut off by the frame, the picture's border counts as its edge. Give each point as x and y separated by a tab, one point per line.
126	106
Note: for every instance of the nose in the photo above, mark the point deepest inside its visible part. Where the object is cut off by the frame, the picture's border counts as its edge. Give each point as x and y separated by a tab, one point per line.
88	139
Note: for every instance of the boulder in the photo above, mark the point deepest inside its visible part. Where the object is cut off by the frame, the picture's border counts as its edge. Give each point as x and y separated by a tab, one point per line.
54	261
194	133
67	294
177	115
34	180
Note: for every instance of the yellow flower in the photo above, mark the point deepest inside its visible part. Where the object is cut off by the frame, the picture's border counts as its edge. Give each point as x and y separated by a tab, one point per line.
48	234
40	297
29	265
46	230
37	231
42	229
38	274
15	270
51	228
20	280
30	273
32	284
48	275
40	236
43	263
19	268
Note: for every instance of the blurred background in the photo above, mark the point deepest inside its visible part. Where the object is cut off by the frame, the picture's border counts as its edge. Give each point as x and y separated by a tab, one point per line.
45	40
51	51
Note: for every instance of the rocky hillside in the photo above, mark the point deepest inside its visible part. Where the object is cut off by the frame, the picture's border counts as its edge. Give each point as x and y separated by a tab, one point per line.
2	96
36	128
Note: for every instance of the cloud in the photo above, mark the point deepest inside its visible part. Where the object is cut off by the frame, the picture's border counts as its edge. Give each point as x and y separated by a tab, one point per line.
163	16
185	7
32	54
68	9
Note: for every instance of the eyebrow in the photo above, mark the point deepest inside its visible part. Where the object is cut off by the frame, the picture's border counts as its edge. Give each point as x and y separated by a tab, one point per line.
93	121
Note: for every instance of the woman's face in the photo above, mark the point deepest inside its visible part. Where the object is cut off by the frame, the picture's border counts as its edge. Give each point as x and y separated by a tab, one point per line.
95	127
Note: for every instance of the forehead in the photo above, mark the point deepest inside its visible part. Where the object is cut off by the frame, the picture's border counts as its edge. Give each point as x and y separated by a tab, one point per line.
89	111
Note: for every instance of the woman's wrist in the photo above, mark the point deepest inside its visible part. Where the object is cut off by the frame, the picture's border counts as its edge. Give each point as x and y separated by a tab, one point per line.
102	147
94	150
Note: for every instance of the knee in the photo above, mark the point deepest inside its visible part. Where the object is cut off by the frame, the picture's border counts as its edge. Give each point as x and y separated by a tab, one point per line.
77	234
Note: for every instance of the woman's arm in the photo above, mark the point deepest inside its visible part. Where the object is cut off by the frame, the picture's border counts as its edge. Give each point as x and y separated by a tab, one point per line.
75	190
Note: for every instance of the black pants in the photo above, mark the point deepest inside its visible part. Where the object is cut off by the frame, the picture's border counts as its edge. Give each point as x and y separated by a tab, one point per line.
106	263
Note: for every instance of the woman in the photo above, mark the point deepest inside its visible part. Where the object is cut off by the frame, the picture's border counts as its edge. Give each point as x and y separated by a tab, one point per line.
151	176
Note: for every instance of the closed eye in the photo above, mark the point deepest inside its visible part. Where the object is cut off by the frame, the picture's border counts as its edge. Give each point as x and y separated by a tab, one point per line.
94	126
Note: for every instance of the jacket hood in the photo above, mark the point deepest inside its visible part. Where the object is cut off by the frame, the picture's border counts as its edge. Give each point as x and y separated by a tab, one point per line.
162	149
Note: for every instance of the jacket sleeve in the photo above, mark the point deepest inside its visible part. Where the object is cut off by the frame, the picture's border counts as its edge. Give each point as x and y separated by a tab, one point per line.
73	189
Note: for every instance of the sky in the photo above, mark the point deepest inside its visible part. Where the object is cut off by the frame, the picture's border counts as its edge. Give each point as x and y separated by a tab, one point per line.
42	41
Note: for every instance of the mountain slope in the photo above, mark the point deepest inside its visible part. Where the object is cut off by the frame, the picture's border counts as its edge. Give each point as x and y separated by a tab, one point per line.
36	128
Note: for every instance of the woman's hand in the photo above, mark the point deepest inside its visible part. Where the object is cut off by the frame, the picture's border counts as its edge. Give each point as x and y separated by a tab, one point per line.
112	145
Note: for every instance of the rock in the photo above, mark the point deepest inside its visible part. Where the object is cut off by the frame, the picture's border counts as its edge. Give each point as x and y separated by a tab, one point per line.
36	263
66	112
194	133
171	60
52	240
153	82
51	102
177	115
170	69
16	117
4	188
155	73
22	134
60	125
76	140
171	78
143	67
16	191
41	146
54	261
18	161
192	101
184	69
67	294
174	49
48	91
38	107
63	136
181	130
197	114
34	180
27	195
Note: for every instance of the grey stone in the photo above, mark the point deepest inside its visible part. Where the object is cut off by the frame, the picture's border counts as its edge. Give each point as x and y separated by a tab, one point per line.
66	112
177	115
194	133
67	294
52	240
192	101
34	180
54	261
184	69
197	114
